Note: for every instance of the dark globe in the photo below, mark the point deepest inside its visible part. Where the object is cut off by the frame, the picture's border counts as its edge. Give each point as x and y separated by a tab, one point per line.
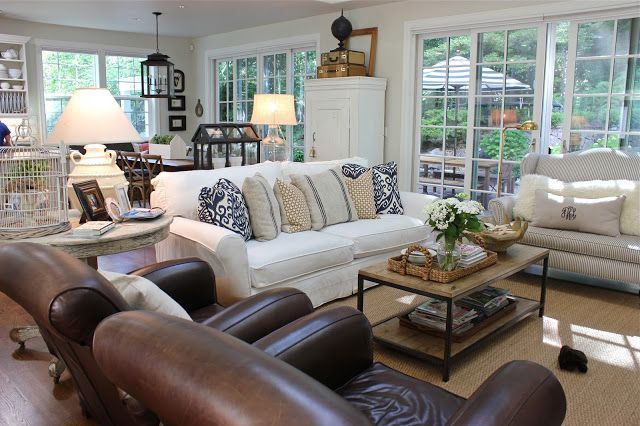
341	28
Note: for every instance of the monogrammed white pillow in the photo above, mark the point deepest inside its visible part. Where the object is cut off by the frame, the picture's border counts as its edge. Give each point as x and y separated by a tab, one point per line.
594	215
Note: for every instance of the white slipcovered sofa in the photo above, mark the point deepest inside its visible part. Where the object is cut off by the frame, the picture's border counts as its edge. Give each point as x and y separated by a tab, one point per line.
323	263
585	254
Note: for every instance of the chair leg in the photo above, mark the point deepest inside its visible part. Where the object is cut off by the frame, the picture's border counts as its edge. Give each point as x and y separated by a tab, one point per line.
56	368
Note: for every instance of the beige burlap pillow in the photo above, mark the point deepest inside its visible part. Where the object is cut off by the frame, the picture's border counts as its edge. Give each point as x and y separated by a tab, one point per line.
593	215
264	211
293	207
361	191
327	197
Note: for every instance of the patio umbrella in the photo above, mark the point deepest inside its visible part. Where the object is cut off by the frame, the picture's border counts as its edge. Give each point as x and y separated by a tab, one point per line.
435	78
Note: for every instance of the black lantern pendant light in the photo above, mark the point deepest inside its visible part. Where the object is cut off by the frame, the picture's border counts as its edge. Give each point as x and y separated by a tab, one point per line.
157	73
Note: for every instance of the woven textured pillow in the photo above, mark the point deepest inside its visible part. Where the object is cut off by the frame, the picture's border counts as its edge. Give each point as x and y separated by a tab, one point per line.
361	191
294	211
223	205
327	197
264	211
385	185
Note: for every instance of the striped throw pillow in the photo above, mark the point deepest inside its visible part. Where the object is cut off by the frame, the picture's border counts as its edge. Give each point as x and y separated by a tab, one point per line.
264	211
327	197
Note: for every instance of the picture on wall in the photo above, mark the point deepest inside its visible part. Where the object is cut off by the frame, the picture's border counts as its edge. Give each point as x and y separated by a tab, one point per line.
178	81
177	123
177	103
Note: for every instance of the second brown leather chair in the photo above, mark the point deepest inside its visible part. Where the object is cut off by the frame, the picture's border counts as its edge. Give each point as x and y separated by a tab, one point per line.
224	381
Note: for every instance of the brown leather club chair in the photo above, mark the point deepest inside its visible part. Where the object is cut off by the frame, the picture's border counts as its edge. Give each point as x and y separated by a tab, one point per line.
224	381
68	299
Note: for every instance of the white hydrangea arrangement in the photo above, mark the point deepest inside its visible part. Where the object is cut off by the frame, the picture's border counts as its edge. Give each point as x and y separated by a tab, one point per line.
453	216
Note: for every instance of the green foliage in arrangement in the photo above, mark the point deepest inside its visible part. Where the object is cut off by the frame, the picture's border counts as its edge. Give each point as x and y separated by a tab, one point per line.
162	139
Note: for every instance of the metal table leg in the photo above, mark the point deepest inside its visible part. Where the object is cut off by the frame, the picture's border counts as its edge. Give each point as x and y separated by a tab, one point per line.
360	295
543	285
447	341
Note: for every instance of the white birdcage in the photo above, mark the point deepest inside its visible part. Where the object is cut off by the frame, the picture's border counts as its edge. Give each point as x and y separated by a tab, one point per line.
33	191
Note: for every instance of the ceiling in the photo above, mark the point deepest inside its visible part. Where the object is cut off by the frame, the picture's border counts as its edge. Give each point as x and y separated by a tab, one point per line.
187	18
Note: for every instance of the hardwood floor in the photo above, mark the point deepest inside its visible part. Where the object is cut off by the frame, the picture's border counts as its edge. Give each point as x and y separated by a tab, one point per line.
28	395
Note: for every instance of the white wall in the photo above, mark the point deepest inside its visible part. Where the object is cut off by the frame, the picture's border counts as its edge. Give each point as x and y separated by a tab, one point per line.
177	48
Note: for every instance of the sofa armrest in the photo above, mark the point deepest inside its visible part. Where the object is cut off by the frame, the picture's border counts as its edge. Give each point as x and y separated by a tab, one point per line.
414	203
190	282
332	346
520	393
253	318
224	250
501	209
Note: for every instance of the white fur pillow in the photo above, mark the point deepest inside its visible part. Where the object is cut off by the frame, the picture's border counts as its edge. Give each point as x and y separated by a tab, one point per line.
629	218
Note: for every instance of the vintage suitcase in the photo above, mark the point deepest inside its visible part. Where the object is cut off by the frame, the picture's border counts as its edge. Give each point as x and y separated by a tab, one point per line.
352	57
341	70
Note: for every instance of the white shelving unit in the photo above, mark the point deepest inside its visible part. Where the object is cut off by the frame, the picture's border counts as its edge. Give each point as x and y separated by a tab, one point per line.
14	102
344	117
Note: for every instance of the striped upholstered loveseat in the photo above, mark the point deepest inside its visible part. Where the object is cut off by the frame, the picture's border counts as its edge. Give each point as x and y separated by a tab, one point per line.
597	256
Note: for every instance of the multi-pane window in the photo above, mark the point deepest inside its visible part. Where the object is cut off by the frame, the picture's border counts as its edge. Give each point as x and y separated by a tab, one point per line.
279	72
225	90
62	73
123	81
472	85
605	94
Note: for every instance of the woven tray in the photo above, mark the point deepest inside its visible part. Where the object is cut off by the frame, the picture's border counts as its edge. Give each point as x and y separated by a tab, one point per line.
431	271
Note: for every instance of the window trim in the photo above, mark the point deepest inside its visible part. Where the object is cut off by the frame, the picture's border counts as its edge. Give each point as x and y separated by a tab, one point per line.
101	50
483	21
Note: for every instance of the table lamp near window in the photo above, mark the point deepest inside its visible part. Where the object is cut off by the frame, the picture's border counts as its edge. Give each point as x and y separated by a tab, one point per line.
275	111
93	118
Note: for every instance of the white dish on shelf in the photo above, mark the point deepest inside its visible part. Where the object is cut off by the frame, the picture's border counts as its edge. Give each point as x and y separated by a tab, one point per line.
15	73
17	87
9	54
2	67
4	85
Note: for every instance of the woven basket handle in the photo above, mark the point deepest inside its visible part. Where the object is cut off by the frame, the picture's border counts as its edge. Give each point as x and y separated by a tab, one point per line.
423	250
476	238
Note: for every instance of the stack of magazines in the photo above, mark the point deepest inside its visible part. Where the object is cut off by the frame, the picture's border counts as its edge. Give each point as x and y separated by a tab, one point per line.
470	255
486	302
433	314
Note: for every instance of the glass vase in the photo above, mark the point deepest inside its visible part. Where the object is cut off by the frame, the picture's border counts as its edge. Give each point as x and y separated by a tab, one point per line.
448	254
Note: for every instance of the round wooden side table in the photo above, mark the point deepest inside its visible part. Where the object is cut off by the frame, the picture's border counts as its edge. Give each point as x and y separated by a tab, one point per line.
125	236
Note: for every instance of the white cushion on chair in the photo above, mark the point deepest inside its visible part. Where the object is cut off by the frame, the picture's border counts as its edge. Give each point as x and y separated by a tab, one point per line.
292	255
372	236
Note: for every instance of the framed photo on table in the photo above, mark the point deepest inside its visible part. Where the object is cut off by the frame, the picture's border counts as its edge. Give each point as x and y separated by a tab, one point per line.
177	123
177	103
91	200
178	81
122	197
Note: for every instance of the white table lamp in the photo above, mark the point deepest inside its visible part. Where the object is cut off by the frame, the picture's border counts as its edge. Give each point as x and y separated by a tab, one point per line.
93	118
274	110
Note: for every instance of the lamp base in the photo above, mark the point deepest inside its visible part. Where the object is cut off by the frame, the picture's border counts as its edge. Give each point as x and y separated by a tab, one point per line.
275	147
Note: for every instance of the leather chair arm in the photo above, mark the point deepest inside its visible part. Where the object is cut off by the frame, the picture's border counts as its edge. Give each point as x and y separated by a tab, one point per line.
190	281
331	346
188	374
519	393
254	317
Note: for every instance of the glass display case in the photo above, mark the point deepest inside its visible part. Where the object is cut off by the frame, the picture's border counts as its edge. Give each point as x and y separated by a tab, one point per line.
213	143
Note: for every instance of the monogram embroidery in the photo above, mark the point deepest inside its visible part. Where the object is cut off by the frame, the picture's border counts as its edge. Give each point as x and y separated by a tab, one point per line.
568	213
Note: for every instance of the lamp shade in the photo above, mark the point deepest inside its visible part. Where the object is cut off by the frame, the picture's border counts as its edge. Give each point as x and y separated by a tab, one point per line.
93	116
273	110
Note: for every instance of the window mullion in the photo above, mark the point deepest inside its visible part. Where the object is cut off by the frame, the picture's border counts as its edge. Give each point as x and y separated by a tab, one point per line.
546	94
571	72
539	90
471	111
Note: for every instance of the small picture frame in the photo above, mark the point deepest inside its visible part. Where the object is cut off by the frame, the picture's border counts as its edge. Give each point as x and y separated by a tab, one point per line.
178	81
113	209
122	197
91	200
177	103
177	123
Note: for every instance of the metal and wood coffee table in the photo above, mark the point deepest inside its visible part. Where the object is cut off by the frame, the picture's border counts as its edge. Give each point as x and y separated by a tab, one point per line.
443	351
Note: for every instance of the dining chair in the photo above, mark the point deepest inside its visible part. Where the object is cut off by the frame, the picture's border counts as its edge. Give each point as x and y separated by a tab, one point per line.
153	166
134	171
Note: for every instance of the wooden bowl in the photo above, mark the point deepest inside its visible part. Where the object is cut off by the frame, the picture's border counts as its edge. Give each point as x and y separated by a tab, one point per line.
499	239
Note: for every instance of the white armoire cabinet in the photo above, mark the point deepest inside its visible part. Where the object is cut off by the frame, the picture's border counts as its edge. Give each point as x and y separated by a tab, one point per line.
344	117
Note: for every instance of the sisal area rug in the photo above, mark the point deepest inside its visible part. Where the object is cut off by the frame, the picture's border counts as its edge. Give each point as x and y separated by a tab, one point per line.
602	323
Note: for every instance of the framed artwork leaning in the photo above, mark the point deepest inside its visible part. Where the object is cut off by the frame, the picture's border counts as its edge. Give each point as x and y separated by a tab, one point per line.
91	200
